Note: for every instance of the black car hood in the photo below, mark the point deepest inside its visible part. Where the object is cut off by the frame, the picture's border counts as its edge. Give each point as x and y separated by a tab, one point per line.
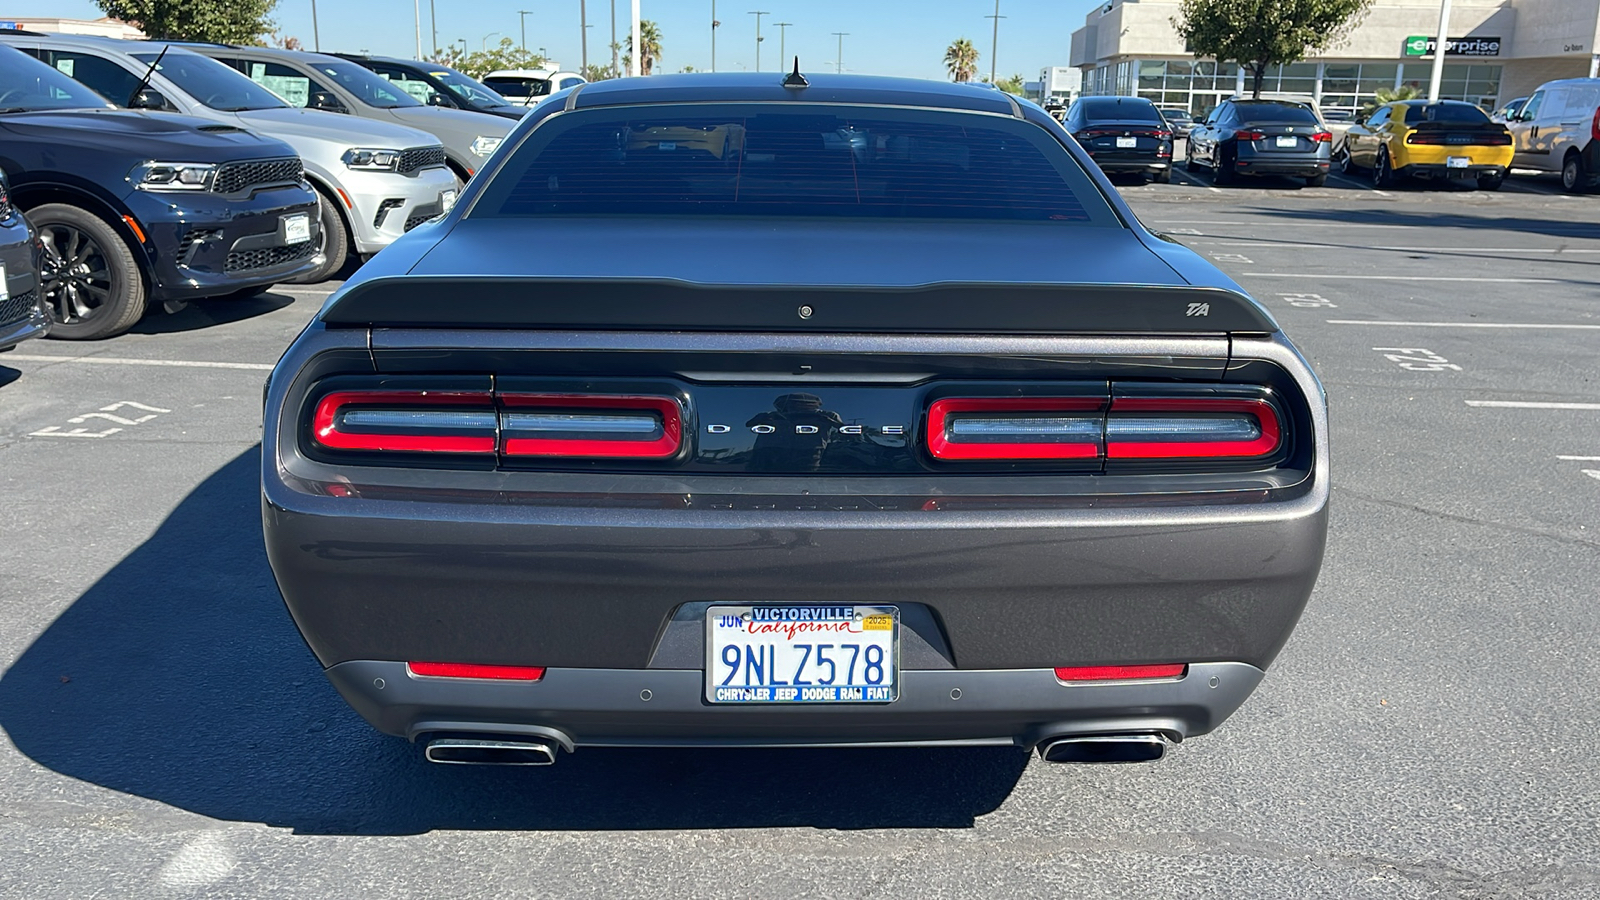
158	134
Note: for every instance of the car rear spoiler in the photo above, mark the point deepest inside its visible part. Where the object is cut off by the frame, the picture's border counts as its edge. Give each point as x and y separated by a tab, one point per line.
670	305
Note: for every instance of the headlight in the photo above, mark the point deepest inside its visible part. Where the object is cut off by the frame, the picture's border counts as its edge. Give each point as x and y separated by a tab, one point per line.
484	145
371	158
170	176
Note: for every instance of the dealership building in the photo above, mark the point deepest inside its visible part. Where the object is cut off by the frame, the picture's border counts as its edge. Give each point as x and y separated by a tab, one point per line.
1497	50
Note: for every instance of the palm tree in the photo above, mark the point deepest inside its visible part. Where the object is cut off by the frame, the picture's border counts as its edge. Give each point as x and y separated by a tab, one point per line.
1388	95
651	38
961	59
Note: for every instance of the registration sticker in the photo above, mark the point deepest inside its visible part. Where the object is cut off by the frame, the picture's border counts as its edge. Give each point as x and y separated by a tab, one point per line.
802	654
296	228
1124	143
1457	162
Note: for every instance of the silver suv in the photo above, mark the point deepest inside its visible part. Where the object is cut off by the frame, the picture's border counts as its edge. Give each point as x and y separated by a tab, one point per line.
376	181
1554	132
337	85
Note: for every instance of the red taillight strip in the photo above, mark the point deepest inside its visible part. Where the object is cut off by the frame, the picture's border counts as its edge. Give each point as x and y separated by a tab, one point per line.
943	448
474	670
667	445
324	422
1265	415
1120	673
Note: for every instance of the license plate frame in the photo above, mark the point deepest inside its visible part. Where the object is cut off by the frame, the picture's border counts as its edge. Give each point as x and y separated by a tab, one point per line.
767	646
296	228
1127	143
1457	162
1287	142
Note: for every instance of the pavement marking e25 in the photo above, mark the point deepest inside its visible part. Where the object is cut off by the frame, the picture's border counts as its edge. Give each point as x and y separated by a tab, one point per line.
105	414
1309	301
1417	359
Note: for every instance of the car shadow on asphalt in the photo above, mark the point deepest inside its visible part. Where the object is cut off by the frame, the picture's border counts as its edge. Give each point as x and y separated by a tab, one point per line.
1554	226
210	312
8	374
180	677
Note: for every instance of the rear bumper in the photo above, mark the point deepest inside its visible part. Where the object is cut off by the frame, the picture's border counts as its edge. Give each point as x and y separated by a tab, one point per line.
1129	163
1303	164
1432	170
666	707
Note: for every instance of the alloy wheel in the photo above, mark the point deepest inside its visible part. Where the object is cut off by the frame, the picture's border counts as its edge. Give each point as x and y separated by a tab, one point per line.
76	276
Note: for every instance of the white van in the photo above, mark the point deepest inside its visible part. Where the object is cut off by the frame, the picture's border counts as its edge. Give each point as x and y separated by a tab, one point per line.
1556	131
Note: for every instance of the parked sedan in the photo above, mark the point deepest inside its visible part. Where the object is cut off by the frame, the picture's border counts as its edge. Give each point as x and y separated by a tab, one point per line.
1009	469
1261	137
1180	120
135	208
529	87
1124	136
438	85
22	311
1447	141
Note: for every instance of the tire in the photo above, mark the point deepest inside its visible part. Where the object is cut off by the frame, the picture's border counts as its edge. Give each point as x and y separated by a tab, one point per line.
1317	180
1347	164
1222	167
335	242
92	284
1189	165
1490	182
1382	175
1574	180
1164	176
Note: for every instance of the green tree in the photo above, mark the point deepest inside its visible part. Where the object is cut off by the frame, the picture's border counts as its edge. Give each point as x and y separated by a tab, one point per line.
961	60
220	21
1012	85
481	62
1388	95
1259	34
599	73
651	38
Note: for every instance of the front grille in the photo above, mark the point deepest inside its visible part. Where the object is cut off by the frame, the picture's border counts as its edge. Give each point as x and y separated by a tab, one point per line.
192	242
18	307
414	221
250	260
233	178
418	158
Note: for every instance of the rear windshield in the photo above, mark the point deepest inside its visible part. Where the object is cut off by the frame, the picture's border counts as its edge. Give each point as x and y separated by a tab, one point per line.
1267	111
1453	113
1125	110
507	86
800	160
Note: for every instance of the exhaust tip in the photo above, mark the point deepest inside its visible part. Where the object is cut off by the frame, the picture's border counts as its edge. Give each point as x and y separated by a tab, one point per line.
1105	748
472	752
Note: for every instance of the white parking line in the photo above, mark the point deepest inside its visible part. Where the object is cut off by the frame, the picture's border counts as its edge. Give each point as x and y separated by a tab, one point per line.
1194	181
1221	220
1401	278
315	292
125	361
1356	183
1581	458
1530	404
1567	327
1301	245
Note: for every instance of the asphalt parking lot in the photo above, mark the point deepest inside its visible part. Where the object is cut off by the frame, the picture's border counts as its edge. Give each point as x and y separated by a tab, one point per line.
1426	733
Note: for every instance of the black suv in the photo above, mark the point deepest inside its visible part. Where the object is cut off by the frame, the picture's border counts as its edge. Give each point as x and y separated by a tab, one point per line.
438	85
1125	135
134	208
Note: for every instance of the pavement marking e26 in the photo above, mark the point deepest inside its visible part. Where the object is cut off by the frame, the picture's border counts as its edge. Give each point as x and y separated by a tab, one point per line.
106	414
1417	359
1309	301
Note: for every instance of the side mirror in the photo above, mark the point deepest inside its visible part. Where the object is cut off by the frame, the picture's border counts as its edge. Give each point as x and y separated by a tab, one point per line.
437	99
325	100
148	99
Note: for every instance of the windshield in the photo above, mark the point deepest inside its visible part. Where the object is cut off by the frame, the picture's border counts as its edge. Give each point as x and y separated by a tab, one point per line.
27	84
212	83
811	160
1453	113
467	89
508	86
368	86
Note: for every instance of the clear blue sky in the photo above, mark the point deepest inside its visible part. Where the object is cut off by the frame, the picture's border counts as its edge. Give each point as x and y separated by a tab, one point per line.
887	37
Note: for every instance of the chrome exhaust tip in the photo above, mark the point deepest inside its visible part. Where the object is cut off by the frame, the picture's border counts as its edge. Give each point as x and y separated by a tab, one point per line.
1104	748
477	752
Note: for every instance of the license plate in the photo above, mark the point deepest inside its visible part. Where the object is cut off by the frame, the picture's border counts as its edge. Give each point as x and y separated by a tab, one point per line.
1288	141
296	228
1458	162
1124	143
802	654
447	200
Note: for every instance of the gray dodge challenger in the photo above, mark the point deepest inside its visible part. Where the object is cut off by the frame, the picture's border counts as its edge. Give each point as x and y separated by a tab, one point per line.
752	410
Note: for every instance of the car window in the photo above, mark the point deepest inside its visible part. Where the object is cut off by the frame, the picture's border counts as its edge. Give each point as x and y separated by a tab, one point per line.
1531	108
1453	113
105	77
1275	111
366	85
1125	109
294	86
1380	117
412	84
209	82
570	82
28	84
472	92
803	161
509	86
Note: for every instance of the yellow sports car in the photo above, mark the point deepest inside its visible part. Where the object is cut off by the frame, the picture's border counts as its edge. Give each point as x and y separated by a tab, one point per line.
1448	140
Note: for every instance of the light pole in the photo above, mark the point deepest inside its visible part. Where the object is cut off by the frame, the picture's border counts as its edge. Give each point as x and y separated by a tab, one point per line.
633	29
714	24
522	19
583	30
1439	44
758	13
839	60
614	70
433	25
484	46
316	36
783	50
463	43
994	46
416	10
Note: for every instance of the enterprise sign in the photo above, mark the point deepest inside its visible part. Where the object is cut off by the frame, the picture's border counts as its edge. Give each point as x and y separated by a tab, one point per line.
1422	45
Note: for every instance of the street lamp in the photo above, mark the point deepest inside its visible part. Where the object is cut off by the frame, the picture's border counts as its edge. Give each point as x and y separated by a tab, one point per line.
714	24
994	46
839	61
522	18
485	45
316	35
463	43
758	14
783	53
583	33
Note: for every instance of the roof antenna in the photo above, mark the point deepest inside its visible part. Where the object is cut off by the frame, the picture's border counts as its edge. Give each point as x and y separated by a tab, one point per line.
794	80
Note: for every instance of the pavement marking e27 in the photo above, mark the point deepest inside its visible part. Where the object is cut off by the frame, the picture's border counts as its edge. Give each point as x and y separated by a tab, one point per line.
1417	359
1309	301
104	414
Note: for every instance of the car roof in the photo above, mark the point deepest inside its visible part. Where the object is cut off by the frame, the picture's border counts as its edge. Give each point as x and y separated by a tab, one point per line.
523	73
1420	102
739	87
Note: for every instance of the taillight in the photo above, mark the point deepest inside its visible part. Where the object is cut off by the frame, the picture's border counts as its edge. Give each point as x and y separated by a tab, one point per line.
1162	135
1323	137
1594	126
1016	428
1191	428
407	421
1250	135
1093	133
1425	137
1120	673
474	670
1502	138
591	426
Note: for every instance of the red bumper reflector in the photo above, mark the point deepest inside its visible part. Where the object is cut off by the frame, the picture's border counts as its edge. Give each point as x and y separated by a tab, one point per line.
473	670
1119	673
592	426
1021	428
406	421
